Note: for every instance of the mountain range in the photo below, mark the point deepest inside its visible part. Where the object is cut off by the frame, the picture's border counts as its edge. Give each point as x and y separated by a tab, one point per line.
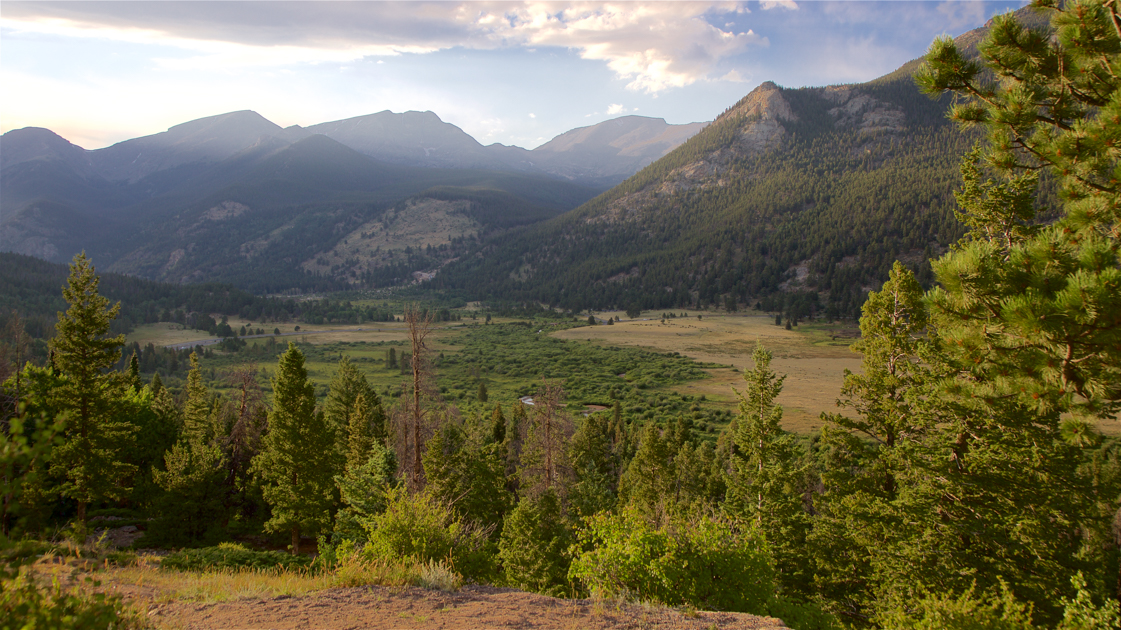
794	199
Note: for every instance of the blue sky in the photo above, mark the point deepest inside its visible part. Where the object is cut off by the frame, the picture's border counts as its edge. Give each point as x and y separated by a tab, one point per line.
510	72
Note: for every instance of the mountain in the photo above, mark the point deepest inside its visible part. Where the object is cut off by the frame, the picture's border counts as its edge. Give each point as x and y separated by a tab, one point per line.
412	138
57	198
204	141
611	151
600	155
798	200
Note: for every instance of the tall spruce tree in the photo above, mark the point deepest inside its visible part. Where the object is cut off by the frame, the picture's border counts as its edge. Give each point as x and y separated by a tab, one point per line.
295	464
1030	321
90	457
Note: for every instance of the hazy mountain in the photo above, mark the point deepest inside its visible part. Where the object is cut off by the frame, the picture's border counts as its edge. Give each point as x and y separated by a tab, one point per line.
612	150
600	155
206	140
412	138
797	198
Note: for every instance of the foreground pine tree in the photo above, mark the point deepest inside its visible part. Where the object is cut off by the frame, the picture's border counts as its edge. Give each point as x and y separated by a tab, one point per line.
295	464
88	396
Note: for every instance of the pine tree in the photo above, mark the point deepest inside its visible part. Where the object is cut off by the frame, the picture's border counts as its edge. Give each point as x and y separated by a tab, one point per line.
346	387
763	466
765	485
194	474
534	545
295	464
90	457
1029	318
363	492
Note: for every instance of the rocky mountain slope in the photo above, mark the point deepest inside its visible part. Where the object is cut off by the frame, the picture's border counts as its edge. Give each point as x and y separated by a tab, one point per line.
796	199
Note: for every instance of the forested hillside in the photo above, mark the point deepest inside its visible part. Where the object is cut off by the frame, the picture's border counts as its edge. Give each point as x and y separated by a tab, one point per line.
799	198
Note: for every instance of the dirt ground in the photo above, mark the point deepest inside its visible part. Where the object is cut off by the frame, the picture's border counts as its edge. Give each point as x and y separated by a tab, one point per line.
377	607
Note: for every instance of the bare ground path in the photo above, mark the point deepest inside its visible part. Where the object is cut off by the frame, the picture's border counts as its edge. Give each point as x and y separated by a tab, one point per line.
378	607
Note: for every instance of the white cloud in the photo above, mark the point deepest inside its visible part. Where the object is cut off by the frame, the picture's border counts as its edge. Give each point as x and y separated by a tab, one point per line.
615	108
655	45
789	5
532	115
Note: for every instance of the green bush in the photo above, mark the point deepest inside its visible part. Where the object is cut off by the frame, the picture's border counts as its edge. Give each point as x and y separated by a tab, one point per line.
998	611
420	527
26	604
228	555
704	562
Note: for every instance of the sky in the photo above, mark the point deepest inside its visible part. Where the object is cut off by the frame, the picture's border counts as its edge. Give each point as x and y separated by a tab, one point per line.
517	73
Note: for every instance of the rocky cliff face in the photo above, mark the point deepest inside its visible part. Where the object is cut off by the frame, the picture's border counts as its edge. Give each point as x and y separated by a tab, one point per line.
758	118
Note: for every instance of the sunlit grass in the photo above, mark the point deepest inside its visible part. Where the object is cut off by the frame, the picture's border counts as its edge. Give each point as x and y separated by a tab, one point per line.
219	585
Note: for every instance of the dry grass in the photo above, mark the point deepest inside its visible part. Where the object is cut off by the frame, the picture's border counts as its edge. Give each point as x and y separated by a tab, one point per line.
146	581
813	362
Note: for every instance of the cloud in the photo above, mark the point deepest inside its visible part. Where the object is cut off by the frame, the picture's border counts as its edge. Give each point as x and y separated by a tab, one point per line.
615	108
653	45
532	115
767	5
963	14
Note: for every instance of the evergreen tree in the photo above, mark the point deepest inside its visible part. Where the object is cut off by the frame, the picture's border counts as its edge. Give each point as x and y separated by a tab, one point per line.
464	472
194	474
360	439
647	484
295	464
763	463
363	492
765	485
91	455
347	385
534	545
1029	319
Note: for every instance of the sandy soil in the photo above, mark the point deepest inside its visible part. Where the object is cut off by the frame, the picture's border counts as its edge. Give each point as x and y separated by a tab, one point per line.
471	607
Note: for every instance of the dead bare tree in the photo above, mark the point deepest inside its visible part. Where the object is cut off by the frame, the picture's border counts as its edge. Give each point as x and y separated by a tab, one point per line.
411	419
544	464
249	423
13	354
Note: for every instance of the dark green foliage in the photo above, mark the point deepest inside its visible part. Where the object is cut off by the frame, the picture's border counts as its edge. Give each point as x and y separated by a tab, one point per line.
469	474
362	491
232	556
94	439
295	464
534	546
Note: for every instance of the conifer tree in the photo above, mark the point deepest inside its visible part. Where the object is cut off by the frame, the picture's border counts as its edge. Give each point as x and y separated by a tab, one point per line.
363	492
765	485
1029	318
763	465
360	440
534	545
347	385
90	457
295	464
194	471
647	484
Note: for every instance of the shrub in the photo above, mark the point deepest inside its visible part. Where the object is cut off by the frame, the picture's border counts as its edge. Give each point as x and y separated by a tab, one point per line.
420	527
705	562
229	555
25	604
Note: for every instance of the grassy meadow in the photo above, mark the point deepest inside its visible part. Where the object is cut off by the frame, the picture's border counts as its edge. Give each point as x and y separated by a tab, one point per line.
814	356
